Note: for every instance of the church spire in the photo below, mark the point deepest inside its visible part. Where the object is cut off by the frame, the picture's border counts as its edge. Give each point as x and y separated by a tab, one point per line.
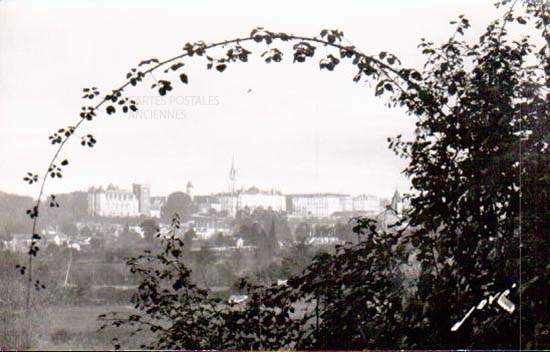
232	177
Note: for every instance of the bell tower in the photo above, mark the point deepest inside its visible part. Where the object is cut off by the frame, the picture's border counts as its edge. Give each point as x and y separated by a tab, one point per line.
189	189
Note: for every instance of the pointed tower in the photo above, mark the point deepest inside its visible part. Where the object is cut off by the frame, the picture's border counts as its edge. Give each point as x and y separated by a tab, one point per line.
189	189
232	178
397	202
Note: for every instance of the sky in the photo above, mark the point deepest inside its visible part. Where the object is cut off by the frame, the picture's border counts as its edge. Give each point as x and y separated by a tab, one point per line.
287	126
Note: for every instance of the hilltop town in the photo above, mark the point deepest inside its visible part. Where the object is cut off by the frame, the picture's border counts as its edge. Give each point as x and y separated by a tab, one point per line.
212	214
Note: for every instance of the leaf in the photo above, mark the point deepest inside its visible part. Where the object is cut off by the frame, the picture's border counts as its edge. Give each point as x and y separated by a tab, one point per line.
110	110
221	67
65	162
176	66
183	78
416	76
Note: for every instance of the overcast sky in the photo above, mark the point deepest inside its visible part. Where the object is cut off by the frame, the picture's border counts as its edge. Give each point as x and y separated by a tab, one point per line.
289	127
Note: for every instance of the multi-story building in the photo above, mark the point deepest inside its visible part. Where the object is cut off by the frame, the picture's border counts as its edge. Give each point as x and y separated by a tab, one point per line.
156	205
235	199
367	203
112	201
228	202
204	204
143	194
318	205
206	226
256	198
232	202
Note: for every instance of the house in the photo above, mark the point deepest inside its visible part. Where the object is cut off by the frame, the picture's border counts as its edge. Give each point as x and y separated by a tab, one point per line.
237	299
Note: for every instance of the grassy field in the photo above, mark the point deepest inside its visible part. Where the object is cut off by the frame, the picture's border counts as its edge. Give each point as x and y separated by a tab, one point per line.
75	328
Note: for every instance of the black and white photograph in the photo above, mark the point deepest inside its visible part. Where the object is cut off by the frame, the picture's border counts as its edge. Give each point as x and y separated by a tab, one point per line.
275	175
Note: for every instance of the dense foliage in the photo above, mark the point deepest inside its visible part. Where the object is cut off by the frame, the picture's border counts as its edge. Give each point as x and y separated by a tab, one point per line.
324	307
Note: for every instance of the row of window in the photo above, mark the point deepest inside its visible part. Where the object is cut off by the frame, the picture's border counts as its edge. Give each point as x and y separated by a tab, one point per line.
120	196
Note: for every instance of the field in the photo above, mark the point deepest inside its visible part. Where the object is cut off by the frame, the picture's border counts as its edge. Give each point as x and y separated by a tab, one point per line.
75	328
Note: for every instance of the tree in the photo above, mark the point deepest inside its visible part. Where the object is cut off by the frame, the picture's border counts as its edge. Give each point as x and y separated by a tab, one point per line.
466	168
188	237
12	301
75	208
264	218
54	251
6	234
97	243
86	232
323	231
126	229
297	258
221	240
250	233
177	203
356	293
205	260
12	219
302	232
69	229
129	238
343	232
266	249
150	229
198	320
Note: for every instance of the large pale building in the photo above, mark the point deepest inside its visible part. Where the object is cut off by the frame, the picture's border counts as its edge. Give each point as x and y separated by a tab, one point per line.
112	202
235	199
367	203
228	202
252	198
206	203
256	198
318	205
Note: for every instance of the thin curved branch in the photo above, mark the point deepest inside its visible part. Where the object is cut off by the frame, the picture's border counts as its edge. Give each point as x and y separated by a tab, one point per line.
382	66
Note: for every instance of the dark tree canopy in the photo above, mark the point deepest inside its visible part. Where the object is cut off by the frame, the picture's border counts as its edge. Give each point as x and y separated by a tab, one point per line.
149	228
177	203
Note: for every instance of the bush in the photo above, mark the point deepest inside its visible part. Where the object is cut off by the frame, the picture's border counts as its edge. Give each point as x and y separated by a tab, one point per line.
60	336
